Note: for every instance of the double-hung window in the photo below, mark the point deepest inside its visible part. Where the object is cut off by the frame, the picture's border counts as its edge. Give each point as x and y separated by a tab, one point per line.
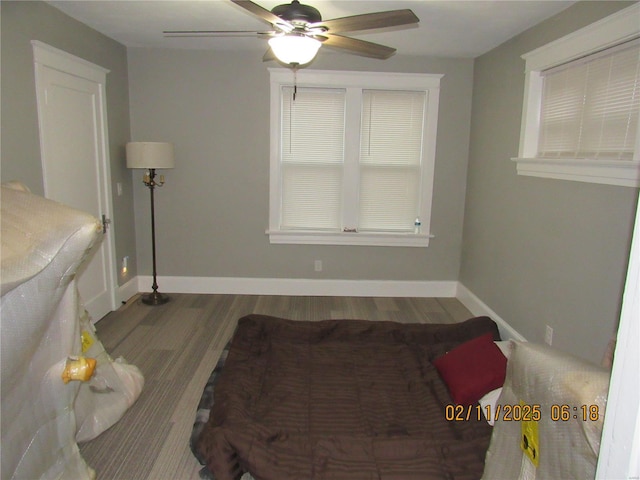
582	105
352	157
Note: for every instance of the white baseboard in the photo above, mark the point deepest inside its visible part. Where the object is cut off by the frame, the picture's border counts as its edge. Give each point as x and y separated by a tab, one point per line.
479	308
311	287
128	290
299	286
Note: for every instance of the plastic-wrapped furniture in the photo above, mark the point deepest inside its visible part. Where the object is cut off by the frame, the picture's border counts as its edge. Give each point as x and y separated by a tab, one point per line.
552	412
43	244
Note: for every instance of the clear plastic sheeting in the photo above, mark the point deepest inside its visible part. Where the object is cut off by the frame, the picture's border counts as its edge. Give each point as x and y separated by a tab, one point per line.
42	244
112	389
569	396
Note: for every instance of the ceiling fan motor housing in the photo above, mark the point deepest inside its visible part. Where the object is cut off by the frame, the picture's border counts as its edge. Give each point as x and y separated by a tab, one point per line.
296	12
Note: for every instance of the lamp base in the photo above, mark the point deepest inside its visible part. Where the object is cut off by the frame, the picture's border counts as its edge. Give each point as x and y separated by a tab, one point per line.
154	298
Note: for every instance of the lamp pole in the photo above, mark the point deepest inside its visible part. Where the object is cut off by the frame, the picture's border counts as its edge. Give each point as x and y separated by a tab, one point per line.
155	297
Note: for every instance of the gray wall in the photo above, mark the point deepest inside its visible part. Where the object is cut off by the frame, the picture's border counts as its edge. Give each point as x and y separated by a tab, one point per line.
536	251
20	150
540	251
213	211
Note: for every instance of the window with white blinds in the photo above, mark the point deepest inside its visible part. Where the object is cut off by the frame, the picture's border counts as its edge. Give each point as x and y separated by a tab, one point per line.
581	109
590	106
352	157
312	156
390	158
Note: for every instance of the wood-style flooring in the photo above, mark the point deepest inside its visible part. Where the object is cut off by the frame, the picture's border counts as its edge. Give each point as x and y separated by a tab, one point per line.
177	345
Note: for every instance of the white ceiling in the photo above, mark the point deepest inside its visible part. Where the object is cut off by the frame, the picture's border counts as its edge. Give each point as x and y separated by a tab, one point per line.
452	28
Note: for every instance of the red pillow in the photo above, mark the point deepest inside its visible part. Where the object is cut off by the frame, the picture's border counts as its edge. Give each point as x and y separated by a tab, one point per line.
472	369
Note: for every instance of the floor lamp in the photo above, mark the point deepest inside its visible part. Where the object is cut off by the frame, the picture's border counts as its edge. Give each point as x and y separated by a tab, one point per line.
151	156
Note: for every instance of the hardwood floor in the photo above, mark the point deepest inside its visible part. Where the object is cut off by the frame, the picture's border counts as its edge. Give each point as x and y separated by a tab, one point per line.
177	345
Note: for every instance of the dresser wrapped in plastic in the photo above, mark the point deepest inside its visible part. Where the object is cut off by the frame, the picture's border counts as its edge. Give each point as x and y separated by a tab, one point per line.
43	325
552	411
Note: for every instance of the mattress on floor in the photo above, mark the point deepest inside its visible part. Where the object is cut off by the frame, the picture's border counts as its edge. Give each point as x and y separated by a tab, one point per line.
338	399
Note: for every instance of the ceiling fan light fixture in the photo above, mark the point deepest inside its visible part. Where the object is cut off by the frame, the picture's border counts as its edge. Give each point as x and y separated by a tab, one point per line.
296	49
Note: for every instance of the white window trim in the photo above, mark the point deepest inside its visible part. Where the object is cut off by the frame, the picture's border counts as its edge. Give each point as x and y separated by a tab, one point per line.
366	80
612	30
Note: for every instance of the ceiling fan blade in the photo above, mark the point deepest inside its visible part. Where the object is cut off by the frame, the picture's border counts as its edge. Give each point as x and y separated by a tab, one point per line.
359	47
216	33
368	21
264	14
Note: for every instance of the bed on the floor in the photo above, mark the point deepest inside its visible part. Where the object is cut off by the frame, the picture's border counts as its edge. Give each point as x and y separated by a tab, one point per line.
347	399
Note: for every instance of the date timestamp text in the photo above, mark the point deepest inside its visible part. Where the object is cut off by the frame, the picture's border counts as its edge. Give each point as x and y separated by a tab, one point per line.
521	412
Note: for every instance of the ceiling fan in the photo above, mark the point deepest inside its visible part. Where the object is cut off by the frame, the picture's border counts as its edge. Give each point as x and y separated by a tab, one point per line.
299	31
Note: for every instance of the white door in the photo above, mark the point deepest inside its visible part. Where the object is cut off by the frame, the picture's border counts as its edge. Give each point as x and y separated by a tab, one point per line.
73	142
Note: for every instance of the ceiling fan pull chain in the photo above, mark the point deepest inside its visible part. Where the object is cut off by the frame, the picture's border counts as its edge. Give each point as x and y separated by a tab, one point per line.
294	67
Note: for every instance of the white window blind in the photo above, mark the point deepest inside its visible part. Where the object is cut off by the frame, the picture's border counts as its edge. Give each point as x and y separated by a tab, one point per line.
590	107
312	158
390	158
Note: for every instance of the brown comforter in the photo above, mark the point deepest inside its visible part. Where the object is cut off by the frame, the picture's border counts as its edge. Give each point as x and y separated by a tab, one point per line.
341	399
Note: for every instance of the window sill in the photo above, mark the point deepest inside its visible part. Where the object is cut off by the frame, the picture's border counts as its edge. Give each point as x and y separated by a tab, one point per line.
608	172
349	238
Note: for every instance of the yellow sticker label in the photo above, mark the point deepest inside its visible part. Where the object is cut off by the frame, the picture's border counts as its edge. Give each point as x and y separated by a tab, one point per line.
87	341
529	442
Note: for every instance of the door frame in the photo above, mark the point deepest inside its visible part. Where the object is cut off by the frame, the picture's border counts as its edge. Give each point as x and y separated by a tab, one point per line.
45	55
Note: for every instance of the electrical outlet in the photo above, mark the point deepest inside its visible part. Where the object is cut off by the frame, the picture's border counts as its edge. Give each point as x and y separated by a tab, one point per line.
317	265
548	335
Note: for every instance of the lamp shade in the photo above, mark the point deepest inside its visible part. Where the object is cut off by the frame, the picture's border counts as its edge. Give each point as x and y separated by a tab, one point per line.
149	155
298	49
